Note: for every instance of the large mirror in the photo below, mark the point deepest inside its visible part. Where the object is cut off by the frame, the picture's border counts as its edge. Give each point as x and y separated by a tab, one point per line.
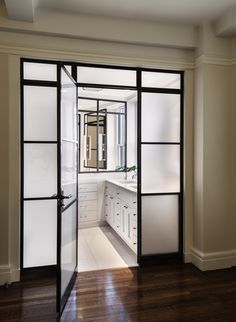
103	127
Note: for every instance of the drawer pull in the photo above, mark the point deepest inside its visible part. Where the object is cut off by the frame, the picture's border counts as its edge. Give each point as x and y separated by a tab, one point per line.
117	203
118	214
134	202
134	243
117	193
118	226
134	214
106	215
126	207
134	227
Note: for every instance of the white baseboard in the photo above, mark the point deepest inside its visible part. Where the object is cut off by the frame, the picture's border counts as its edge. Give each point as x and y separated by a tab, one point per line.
211	261
8	275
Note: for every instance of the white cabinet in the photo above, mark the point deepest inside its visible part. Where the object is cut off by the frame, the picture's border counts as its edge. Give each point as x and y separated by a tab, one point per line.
121	213
87	208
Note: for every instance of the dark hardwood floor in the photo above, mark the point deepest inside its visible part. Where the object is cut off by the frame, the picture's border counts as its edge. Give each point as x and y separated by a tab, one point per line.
164	293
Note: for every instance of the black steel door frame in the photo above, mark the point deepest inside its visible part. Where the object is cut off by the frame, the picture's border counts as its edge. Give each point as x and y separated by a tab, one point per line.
139	90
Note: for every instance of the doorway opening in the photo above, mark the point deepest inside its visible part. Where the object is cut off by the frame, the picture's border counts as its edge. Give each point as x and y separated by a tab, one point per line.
101	166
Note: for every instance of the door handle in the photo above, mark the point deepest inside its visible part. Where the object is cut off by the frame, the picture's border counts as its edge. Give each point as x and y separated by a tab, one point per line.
62	197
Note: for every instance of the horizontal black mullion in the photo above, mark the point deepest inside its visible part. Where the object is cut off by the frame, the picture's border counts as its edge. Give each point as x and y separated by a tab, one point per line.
160	193
100	112
40	142
105	66
164	71
28	82
40	198
161	143
106	86
160	90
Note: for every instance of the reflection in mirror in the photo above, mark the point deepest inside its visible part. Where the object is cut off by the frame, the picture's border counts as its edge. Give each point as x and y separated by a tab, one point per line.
106	143
98	150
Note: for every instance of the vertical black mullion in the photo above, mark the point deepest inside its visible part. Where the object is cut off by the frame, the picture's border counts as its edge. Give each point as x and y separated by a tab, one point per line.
139	161
77	179
97	131
126	134
22	166
59	214
181	163
74	74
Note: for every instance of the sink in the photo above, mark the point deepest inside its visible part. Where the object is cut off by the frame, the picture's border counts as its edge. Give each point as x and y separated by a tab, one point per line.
129	182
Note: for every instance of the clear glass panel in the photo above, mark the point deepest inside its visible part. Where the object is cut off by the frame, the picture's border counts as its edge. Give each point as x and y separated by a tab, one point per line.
115	142
40	170
40	71
68	249
160	117
40	113
161	80
68	109
106	76
69	170
40	233
160	224
160	168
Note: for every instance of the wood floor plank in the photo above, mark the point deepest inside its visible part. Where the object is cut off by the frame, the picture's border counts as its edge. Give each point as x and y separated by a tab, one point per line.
155	293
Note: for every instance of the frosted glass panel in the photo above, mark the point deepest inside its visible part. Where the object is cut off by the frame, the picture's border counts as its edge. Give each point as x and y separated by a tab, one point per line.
160	80
159	225
40	113
40	233
160	117
160	168
68	109
106	76
40	170
69	170
39	71
68	250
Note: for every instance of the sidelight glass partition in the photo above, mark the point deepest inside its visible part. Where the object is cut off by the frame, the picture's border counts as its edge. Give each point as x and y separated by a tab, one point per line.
39	150
160	162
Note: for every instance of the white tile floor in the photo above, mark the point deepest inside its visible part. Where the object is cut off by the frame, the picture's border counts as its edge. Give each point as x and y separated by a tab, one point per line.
97	252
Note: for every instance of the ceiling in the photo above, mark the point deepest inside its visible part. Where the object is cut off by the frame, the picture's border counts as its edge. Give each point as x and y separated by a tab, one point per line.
169	11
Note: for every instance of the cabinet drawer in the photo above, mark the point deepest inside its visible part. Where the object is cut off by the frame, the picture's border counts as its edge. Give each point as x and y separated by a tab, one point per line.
87	196
88	187
87	216
87	206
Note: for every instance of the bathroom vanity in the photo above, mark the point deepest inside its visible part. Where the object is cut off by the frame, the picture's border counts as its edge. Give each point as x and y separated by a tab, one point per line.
121	210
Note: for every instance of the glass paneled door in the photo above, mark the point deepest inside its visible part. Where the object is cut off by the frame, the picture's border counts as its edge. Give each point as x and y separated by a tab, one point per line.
68	184
49	167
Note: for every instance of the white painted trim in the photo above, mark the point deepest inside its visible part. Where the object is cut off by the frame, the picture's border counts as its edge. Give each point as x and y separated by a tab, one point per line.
8	275
211	261
213	60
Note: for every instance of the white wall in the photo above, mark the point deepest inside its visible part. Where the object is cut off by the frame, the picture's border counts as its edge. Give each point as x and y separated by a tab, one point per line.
15	45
